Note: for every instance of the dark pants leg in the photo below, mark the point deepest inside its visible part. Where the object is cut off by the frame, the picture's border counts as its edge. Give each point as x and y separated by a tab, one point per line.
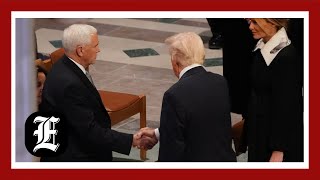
237	57
216	26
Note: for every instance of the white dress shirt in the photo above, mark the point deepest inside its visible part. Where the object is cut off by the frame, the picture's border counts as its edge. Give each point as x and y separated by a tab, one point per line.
79	65
184	70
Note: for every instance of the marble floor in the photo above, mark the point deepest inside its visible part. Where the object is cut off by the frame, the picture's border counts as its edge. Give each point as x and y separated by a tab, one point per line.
134	59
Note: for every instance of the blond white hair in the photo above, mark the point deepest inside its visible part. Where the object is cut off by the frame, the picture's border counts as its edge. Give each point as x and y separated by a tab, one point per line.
187	47
75	35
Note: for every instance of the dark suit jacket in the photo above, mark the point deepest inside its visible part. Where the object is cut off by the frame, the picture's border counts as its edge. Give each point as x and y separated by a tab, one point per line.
195	122
68	91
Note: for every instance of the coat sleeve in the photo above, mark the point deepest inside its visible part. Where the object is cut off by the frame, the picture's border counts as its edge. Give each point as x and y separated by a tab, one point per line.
285	102
172	126
83	120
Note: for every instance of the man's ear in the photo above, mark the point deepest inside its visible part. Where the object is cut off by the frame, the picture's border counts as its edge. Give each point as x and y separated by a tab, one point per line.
175	61
79	51
175	66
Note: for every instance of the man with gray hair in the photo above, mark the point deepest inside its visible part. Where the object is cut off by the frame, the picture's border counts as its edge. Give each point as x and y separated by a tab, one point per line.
69	90
195	123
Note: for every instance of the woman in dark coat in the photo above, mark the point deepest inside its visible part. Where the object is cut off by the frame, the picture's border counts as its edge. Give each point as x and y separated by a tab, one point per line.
274	128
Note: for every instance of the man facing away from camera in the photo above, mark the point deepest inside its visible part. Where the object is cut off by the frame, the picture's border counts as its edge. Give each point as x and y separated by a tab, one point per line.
195	123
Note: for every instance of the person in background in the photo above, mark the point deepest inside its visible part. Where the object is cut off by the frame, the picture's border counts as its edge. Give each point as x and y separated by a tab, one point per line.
237	59
274	126
295	33
195	122
41	78
217	28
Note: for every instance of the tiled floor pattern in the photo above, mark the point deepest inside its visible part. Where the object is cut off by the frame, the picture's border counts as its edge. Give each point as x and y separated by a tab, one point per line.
133	59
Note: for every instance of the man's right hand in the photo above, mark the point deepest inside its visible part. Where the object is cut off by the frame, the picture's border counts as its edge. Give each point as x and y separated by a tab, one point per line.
147	138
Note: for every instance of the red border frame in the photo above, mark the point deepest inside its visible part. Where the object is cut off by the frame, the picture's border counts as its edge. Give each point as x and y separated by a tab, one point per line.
6	6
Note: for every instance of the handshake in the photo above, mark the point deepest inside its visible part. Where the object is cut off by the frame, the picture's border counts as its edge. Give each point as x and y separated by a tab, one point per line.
145	138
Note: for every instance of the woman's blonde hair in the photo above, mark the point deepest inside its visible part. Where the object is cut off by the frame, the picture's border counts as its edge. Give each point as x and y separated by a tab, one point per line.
278	22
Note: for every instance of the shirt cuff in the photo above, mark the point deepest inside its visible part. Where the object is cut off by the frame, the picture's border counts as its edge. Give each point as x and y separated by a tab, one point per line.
157	133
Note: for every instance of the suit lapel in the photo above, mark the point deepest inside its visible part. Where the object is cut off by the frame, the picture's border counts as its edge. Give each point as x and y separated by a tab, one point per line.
82	77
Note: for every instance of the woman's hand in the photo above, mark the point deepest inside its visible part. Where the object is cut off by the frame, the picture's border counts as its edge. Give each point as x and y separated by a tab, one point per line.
276	156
